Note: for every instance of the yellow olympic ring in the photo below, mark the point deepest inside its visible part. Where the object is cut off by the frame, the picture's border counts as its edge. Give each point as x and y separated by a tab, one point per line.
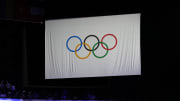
85	56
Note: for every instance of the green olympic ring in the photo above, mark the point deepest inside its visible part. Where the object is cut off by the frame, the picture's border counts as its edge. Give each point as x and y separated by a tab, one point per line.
106	50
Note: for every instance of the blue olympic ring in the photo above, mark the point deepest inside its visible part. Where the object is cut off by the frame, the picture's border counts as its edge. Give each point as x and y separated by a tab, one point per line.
68	41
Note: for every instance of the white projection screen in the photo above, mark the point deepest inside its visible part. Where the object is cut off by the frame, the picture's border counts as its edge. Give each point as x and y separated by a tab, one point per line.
92	46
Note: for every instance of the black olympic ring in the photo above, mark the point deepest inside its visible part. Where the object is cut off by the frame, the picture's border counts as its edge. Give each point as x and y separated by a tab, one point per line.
90	36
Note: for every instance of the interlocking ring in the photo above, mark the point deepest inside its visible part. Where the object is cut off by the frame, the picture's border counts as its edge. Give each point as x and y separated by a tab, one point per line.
114	38
86	39
68	42
95	46
105	53
85	56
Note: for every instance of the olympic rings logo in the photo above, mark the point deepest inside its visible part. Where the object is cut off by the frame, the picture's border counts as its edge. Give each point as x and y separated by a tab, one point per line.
88	48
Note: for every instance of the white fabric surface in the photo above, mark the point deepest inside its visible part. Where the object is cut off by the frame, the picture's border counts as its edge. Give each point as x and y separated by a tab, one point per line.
123	60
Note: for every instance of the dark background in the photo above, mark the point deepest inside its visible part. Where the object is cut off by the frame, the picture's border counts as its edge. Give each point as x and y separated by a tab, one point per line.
22	45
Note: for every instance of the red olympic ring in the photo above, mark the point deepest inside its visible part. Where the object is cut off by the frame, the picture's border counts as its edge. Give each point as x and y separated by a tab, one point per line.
103	39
